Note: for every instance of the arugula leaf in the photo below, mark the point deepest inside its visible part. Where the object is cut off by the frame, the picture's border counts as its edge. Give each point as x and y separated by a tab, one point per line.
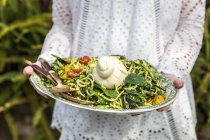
109	92
133	92
134	101
135	79
98	99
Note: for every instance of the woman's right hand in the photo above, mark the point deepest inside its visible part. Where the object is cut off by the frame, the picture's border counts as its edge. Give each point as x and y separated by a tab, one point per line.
27	71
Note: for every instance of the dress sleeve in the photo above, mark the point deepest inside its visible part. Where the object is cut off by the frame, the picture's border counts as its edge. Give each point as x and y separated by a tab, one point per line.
182	51
58	40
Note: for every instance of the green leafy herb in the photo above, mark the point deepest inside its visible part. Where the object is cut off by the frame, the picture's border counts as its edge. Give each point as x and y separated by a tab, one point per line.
135	79
109	93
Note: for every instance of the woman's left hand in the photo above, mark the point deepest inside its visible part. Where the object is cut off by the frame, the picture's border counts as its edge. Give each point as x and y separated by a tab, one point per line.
178	83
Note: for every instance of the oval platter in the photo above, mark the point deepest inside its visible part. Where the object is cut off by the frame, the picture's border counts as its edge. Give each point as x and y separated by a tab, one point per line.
170	96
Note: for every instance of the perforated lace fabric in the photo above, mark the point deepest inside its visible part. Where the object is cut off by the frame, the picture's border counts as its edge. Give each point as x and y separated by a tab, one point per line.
168	34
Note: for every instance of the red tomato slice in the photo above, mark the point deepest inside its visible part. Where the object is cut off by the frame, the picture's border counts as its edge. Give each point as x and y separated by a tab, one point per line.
84	59
78	70
71	74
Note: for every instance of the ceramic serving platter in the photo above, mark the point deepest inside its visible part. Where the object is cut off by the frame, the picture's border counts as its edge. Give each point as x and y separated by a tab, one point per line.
170	95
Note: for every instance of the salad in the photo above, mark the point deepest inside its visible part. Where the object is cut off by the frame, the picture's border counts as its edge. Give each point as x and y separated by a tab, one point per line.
121	84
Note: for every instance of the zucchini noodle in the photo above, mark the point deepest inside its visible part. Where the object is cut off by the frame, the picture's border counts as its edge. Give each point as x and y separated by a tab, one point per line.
133	93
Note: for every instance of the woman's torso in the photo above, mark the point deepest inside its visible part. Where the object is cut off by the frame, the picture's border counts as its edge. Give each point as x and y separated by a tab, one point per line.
134	28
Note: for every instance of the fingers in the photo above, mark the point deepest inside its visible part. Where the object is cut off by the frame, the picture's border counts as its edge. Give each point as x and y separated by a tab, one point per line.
27	71
178	82
163	108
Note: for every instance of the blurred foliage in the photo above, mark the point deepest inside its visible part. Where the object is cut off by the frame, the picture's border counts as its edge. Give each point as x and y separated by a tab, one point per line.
23	27
201	81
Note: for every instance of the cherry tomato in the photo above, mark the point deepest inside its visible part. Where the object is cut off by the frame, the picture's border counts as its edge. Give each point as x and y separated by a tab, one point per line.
78	70
158	99
84	59
71	74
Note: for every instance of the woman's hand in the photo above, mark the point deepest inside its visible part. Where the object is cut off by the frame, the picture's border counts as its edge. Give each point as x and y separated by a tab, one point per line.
27	71
178	83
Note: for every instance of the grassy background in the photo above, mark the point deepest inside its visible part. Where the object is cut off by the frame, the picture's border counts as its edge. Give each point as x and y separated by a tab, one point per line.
26	116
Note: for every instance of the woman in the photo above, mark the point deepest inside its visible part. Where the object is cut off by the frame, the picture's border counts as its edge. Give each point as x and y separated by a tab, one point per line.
168	34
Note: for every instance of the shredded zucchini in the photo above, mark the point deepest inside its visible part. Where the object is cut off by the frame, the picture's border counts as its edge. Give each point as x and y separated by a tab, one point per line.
142	86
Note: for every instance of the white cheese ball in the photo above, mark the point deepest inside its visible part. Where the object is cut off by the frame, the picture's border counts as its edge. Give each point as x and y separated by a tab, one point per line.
109	72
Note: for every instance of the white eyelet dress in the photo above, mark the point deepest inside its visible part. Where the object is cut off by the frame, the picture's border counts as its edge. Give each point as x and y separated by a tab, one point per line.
166	33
